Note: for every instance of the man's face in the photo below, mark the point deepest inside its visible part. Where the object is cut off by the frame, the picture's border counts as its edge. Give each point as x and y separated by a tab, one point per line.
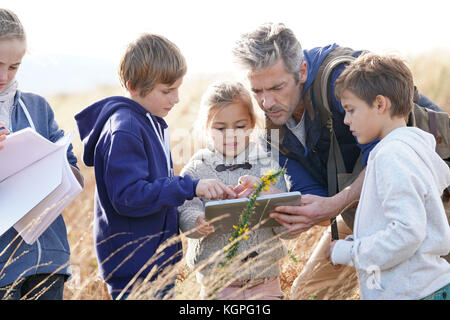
276	91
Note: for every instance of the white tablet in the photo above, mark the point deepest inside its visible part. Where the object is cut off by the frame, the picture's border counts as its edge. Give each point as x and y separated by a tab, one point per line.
225	213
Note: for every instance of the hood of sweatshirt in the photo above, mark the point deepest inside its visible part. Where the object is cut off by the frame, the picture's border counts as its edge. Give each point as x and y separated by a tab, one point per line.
424	144
92	119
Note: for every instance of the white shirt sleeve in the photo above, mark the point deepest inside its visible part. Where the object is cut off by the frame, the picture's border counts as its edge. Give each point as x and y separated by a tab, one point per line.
342	253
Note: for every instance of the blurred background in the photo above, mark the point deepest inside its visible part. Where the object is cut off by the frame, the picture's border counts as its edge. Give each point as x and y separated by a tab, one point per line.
76	45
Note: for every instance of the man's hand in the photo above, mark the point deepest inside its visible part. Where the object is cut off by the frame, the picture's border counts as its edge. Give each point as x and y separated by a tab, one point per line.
317	210
213	189
313	210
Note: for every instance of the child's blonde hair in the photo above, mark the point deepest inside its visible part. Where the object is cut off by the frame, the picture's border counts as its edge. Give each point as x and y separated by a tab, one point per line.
149	60
10	26
218	96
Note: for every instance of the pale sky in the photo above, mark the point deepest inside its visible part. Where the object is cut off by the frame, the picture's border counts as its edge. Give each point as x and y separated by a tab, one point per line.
205	30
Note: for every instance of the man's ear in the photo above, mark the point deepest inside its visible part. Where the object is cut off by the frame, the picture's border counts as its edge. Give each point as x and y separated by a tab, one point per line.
382	103
303	73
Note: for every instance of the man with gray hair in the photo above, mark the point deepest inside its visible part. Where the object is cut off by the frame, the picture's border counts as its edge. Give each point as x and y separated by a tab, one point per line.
282	78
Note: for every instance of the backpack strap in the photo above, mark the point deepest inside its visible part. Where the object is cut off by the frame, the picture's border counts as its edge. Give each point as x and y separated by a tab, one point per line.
434	132
433	128
322	101
321	97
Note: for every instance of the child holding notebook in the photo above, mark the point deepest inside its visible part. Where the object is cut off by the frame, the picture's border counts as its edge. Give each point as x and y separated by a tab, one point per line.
36	271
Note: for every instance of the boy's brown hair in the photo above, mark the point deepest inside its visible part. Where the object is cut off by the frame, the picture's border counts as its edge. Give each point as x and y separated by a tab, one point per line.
371	75
149	60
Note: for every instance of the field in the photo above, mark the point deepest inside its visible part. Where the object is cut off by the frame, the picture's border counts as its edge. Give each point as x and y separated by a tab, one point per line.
432	76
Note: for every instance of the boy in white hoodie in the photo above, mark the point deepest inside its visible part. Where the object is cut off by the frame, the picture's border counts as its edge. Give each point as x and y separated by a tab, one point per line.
401	230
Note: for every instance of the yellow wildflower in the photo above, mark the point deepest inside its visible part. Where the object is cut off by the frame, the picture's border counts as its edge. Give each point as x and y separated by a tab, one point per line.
266	180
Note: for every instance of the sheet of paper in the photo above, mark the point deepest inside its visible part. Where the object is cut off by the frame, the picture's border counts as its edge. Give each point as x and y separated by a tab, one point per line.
36	182
32	220
21	149
23	191
32	225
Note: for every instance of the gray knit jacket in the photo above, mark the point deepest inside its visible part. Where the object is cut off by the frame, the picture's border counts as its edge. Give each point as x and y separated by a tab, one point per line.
265	242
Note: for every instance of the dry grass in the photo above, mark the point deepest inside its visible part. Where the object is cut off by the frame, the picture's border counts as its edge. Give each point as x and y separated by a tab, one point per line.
432	74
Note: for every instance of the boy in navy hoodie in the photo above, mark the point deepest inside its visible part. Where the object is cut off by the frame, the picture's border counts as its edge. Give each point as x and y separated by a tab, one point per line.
127	142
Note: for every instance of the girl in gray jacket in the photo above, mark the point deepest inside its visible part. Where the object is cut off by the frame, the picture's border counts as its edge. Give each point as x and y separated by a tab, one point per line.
227	118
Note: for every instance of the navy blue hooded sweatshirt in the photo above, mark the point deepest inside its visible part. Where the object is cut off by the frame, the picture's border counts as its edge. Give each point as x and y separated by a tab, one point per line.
135	200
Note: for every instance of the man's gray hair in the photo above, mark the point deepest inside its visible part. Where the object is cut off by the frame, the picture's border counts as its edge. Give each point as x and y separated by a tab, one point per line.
263	47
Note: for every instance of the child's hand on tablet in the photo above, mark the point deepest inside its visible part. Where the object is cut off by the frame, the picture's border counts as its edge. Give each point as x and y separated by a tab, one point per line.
202	226
213	189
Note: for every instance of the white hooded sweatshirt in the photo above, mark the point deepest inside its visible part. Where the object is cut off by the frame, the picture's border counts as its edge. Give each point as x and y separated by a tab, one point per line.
401	229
